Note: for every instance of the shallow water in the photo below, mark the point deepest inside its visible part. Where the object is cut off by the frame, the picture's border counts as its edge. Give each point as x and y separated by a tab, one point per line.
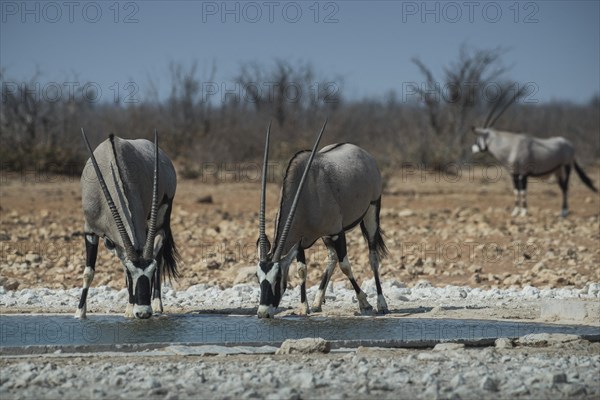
24	330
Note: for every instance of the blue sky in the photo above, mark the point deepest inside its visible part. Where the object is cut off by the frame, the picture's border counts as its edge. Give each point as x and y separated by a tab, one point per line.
554	44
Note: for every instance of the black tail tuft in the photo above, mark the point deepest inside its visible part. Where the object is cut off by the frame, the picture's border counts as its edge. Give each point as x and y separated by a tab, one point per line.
380	247
170	254
171	258
584	178
378	242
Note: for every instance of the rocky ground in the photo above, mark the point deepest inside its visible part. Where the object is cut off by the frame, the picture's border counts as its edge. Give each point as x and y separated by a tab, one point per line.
536	369
448	229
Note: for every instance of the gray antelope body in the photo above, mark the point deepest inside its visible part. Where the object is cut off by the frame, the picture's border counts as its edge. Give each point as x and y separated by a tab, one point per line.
525	156
127	193
334	190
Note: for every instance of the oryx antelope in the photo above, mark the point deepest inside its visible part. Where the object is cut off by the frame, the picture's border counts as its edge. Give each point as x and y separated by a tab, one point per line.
127	194
526	156
324	194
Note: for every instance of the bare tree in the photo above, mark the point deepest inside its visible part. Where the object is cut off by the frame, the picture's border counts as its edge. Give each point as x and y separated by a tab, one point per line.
453	100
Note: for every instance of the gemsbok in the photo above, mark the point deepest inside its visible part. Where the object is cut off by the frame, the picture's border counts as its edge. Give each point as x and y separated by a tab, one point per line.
127	194
526	156
324	194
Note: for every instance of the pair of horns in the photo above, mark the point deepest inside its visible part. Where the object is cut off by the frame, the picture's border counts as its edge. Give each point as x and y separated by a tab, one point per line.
518	94
129	249
288	223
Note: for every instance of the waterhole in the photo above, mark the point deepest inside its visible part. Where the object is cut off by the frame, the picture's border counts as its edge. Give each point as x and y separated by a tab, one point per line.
64	330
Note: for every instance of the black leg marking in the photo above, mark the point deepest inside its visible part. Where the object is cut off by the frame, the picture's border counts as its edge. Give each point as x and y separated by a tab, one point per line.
303	292
301	258
355	285
129	282
91	255
156	292
516	181
340	246
524	190
517	185
83	298
564	185
91	252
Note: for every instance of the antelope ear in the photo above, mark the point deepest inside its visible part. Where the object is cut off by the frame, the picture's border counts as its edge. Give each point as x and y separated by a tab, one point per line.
268	245
477	131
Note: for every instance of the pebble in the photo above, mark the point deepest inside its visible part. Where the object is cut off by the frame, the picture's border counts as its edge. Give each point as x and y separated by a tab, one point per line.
304	346
489	384
449	346
559	377
503	343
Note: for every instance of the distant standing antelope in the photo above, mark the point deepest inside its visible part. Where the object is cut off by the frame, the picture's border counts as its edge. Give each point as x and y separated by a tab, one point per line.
525	156
323	195
136	228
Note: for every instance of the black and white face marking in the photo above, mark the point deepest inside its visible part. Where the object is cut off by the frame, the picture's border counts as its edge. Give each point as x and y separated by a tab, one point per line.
272	278
480	142
270	281
140	278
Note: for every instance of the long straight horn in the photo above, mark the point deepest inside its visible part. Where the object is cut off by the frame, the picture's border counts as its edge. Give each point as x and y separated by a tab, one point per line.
290	218
129	250
518	94
149	247
494	108
262	237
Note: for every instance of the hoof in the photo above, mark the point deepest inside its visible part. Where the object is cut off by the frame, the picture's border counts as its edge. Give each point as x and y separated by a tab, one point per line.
81	313
382	307
157	306
564	213
317	308
129	311
303	309
515	212
363	303
523	212
382	310
368	310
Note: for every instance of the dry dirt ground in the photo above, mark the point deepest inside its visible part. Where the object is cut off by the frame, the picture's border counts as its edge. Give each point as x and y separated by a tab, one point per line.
442	227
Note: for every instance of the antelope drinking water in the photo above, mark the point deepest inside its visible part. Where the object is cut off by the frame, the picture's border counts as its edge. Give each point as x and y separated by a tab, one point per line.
135	227
324	194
